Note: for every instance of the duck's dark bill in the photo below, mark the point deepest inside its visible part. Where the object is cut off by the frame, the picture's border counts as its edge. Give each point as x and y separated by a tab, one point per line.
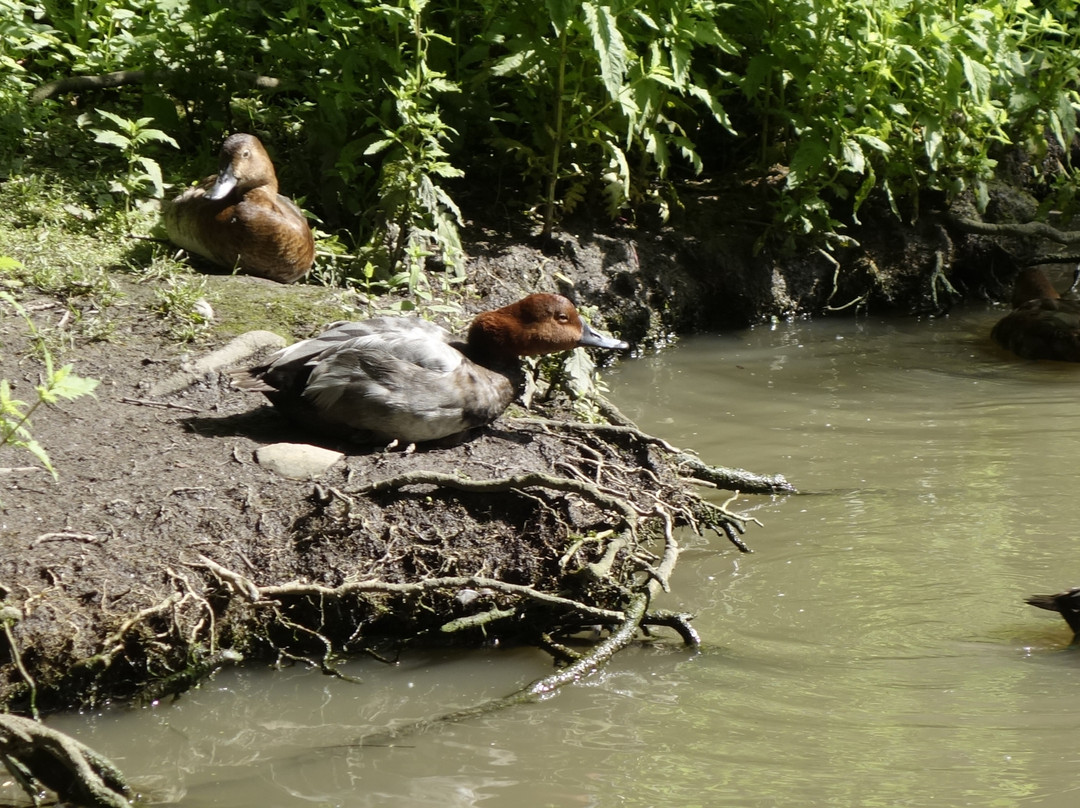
593	339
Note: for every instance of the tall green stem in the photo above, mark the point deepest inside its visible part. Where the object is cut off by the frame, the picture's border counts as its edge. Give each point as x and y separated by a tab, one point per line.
553	171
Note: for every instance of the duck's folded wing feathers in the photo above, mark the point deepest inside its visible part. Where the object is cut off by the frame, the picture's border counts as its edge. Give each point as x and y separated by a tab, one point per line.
411	340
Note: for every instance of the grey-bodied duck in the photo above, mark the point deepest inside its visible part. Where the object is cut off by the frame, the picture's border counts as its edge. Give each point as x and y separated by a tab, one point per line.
408	380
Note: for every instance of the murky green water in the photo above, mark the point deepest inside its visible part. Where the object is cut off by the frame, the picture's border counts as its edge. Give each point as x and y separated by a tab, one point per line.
874	650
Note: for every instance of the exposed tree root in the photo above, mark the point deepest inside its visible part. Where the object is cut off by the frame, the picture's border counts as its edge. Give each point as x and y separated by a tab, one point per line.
40	757
1022	230
692	467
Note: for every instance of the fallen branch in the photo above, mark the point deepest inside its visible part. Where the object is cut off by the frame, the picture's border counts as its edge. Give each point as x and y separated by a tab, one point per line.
67	535
734	479
168	405
118	78
596	659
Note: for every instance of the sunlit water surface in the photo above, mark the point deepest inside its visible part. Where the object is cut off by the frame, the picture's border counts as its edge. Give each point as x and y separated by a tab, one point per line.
874	650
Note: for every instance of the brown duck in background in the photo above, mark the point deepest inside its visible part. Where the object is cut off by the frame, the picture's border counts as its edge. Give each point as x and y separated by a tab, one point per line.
237	219
1041	324
1067	603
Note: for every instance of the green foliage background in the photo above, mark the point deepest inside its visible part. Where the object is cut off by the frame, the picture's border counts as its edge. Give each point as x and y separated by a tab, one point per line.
383	115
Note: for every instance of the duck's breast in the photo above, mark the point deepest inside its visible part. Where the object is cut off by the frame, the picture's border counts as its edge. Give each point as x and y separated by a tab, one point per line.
262	233
266	234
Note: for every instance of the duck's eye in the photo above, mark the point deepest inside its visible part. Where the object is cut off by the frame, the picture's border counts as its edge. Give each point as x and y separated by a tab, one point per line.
246	153
562	317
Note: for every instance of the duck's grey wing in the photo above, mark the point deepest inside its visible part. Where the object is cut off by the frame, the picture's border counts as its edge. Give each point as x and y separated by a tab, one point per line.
411	338
374	390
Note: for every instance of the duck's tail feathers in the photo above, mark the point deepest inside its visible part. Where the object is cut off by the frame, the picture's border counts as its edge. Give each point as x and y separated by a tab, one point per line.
1048	602
251	380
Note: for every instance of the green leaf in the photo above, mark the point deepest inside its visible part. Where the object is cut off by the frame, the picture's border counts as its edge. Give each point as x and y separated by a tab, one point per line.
609	46
512	63
38	451
64	384
378	146
560	12
8	265
158	135
854	159
121	123
874	142
935	145
978	77
153	173
808	161
579	368
112	138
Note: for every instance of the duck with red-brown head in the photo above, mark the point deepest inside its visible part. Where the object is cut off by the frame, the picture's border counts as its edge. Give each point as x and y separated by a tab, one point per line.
533	326
238	220
1041	325
406	379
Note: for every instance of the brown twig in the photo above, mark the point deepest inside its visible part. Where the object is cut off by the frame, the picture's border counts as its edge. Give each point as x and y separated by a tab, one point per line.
144	402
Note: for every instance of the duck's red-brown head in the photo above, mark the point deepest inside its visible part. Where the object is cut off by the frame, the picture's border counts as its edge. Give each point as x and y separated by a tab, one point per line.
535	325
1031	284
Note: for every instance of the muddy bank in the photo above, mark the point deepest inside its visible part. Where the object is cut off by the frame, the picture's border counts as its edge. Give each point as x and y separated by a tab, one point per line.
165	548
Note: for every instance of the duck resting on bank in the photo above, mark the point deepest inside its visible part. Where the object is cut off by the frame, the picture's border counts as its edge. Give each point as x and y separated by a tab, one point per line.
407	380
1041	324
238	220
1067	603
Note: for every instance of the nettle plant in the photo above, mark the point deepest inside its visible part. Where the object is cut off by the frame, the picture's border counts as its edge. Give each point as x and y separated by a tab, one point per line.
56	384
132	137
892	97
602	91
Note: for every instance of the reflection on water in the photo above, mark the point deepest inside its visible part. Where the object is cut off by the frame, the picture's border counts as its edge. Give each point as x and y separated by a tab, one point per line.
874	650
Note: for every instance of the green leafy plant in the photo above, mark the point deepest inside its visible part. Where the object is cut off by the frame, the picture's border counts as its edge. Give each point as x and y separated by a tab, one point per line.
896	97
412	199
602	90
131	137
56	384
565	106
182	302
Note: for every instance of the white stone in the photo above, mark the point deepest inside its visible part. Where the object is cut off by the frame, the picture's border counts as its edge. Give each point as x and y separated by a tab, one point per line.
297	461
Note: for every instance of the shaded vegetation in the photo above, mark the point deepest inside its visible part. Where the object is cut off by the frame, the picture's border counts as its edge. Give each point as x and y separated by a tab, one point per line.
383	115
